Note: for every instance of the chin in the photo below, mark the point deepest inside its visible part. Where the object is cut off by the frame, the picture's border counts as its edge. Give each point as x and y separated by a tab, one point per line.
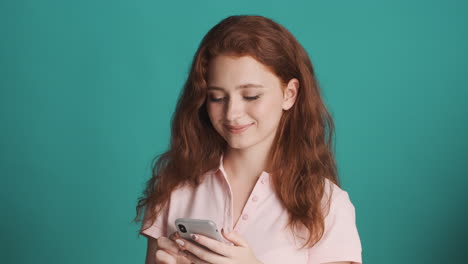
239	145
236	145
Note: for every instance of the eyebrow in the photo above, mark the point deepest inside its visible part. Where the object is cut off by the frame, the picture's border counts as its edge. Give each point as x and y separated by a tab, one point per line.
242	86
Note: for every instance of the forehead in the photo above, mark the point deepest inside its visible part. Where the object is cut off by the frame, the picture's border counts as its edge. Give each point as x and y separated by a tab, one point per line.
230	72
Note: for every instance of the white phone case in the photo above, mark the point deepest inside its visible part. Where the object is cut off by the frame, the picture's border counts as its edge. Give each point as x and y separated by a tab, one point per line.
197	226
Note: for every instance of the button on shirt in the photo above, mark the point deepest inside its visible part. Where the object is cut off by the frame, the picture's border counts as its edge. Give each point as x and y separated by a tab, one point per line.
263	220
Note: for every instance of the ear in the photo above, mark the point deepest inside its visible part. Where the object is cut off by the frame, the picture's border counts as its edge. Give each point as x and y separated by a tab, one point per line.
290	93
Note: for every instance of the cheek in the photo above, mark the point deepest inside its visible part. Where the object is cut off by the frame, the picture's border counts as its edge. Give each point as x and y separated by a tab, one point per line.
268	110
214	112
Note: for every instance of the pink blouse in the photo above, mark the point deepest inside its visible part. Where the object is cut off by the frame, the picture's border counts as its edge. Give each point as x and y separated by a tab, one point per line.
263	220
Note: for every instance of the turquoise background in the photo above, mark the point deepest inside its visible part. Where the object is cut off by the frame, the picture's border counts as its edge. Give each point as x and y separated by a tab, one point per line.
88	89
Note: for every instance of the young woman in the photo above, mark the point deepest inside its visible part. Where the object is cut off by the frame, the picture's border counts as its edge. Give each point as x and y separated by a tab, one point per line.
251	150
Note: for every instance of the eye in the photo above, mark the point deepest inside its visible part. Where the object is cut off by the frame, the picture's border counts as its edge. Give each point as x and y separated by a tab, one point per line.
251	98
216	99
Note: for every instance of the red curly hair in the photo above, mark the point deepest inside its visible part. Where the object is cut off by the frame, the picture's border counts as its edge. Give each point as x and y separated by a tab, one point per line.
301	153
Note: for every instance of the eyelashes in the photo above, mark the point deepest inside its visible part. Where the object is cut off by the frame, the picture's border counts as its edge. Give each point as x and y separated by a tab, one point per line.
222	99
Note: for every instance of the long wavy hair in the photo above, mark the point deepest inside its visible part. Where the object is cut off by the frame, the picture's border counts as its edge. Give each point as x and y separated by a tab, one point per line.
301	155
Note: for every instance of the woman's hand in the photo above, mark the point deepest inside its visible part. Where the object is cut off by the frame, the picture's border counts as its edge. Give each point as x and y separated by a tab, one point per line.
239	253
168	251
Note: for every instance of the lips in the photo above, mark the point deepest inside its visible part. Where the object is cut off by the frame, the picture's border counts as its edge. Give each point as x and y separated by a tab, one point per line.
237	129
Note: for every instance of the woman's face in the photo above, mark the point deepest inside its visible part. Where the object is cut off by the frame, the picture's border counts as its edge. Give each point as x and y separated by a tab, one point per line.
245	100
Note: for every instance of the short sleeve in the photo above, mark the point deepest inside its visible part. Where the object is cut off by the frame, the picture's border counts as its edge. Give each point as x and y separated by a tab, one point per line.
156	229
340	241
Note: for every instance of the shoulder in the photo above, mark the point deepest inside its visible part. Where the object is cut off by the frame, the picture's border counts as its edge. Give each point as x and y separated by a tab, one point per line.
333	191
335	199
340	240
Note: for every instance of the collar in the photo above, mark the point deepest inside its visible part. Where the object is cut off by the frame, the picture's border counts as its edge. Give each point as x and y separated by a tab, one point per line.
264	176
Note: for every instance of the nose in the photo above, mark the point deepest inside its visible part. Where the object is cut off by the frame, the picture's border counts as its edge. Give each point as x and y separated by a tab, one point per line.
234	110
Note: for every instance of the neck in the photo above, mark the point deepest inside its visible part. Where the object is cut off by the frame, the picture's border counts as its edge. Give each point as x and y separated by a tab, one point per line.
246	164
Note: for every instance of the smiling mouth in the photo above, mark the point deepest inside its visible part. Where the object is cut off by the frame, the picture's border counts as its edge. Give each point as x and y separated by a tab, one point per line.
237	129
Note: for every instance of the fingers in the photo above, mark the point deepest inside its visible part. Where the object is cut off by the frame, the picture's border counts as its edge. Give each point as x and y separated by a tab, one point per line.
201	253
164	258
168	245
235	238
169	252
213	245
174	236
194	259
187	258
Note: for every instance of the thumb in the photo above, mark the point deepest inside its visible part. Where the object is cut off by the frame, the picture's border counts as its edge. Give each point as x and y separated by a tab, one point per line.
234	238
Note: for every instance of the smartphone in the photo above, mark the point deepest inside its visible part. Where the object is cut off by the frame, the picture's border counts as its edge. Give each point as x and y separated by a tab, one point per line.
188	226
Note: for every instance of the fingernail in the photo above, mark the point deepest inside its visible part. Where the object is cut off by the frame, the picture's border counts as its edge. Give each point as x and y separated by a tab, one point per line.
194	237
180	242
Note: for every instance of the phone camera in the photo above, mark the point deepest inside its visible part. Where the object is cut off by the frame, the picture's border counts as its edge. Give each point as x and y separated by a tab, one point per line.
182	229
